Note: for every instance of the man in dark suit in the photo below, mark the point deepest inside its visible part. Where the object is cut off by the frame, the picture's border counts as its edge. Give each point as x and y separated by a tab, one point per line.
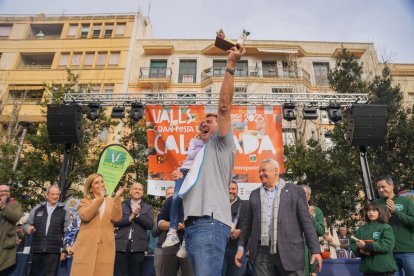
277	219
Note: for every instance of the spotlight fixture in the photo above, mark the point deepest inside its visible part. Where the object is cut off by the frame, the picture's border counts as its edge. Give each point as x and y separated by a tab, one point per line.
94	111
310	113
334	112
137	111
118	112
289	111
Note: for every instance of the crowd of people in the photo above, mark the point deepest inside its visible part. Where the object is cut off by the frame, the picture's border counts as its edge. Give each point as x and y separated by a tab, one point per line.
204	228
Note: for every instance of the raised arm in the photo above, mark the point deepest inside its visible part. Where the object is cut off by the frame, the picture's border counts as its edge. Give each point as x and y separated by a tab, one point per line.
226	91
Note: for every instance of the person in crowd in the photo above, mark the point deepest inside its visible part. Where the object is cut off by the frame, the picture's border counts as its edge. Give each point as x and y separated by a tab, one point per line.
238	207
195	145
374	243
94	249
161	235
10	213
206	204
318	221
170	263
48	222
276	222
344	237
66	256
329	240
169	192
401	210
130	235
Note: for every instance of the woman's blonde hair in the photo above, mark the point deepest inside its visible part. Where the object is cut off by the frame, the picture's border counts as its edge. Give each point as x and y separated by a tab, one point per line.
87	192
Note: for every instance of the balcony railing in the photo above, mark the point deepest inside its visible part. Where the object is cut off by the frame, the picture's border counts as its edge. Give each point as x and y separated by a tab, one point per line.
257	72
44	36
33	67
155	73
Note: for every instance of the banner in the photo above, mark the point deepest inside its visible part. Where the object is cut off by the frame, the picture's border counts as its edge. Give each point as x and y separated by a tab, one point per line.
257	134
113	162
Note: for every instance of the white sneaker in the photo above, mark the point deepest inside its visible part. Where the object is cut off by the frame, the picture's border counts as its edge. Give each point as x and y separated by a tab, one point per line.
182	252
171	239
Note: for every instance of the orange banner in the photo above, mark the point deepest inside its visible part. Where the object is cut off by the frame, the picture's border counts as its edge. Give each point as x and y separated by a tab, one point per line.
257	134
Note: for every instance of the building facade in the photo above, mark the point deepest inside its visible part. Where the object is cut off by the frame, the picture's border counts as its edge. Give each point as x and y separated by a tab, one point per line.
116	54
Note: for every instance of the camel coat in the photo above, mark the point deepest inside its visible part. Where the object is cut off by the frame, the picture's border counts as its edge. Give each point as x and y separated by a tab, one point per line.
94	249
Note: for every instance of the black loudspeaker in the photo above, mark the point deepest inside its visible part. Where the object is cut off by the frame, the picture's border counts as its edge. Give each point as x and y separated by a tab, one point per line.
64	124
367	124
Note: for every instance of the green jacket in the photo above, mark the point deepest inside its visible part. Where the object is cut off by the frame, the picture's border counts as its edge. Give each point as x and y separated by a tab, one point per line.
402	222
381	258
10	214
318	222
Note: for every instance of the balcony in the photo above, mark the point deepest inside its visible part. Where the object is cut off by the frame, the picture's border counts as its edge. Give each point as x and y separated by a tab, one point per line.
35	61
149	77
45	31
257	72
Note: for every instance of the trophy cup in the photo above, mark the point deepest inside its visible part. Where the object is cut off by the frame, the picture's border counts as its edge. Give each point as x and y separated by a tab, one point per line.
225	44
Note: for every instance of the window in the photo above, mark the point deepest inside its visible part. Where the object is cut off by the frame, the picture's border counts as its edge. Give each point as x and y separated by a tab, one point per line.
108	88
96	30
324	116
187	71
321	70
101	59
94	88
5	30
269	69
103	135
84	31
240	95
276	90
219	67
76	59
108	30
28	94
73	30
241	69
114	59
88	59
158	68
64	57
120	29
290	69
289	136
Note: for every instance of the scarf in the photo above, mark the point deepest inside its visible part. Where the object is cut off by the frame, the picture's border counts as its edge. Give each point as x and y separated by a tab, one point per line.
265	237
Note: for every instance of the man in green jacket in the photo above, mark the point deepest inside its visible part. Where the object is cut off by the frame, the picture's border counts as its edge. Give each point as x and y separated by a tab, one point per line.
10	213
401	210
318	221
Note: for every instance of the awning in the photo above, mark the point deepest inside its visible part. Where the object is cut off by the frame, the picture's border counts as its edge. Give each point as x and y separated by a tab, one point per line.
277	51
21	87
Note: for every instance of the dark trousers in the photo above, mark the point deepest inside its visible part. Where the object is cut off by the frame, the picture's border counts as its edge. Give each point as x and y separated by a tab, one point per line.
44	264
171	263
128	262
270	264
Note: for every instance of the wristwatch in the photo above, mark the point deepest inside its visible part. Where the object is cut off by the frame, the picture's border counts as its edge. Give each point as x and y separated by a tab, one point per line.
230	70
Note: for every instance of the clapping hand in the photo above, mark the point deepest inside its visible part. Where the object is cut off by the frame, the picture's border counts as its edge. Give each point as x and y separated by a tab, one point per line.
120	191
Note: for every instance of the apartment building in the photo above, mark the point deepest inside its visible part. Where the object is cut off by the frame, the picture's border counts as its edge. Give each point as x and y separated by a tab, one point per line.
37	50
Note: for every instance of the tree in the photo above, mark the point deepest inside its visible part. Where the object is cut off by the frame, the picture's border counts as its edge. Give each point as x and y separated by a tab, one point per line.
41	161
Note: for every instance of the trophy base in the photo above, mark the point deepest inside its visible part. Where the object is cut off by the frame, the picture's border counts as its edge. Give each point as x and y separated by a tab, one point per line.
224	43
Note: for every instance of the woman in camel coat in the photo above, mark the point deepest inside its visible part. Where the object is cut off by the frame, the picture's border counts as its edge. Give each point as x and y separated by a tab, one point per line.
94	249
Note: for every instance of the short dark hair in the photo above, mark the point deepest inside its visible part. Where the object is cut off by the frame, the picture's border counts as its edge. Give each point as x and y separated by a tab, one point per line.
211	115
383	215
385	178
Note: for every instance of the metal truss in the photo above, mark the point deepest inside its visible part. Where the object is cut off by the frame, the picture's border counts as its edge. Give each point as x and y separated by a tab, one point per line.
209	98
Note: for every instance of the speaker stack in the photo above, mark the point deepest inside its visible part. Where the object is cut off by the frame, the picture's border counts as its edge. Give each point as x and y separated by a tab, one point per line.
367	124
64	124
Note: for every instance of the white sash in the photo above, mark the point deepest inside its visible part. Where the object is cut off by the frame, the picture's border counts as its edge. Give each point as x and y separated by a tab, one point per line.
193	174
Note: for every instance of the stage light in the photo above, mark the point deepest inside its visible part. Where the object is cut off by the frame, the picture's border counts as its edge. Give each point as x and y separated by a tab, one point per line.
289	111
334	112
310	113
118	112
94	111
137	111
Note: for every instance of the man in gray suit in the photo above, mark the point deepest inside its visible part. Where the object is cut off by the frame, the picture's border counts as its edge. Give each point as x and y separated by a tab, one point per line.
276	221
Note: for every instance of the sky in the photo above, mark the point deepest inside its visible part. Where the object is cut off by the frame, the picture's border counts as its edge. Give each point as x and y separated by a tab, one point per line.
389	24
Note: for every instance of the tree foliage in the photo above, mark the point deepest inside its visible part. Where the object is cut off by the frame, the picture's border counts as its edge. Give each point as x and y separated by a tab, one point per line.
335	174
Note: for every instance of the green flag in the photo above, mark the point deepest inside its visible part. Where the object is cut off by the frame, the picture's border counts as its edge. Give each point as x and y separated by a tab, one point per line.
113	162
